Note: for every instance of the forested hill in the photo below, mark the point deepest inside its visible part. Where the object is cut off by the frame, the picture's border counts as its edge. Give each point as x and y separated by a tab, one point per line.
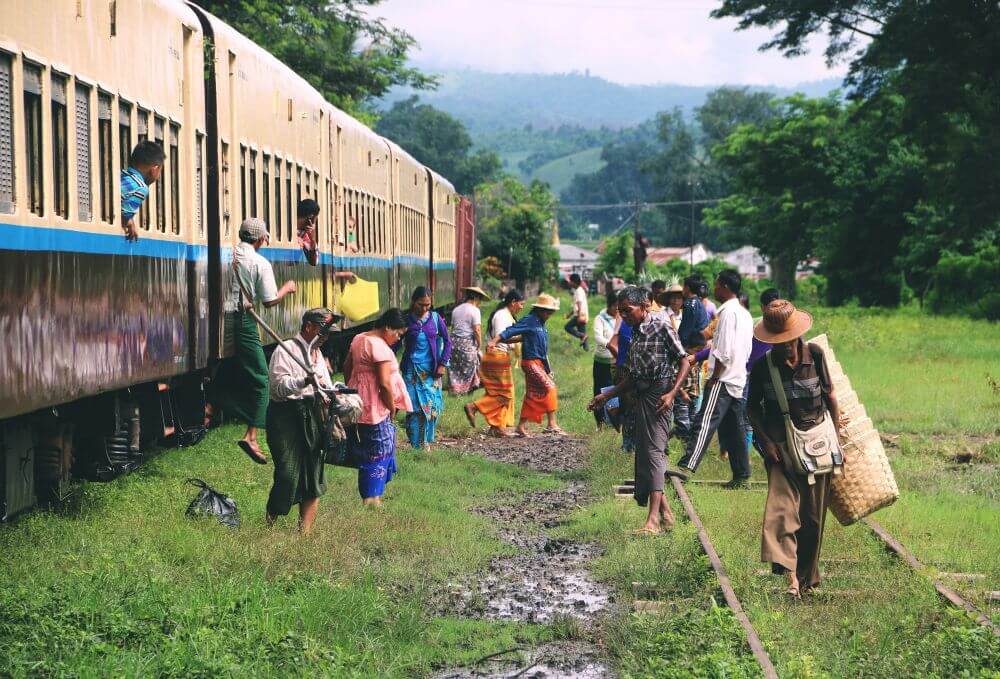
486	102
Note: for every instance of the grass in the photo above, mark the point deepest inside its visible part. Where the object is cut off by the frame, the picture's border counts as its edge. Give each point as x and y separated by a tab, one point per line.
559	173
122	583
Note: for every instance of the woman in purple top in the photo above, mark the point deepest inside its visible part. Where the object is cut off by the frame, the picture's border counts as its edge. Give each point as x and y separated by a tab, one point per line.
426	352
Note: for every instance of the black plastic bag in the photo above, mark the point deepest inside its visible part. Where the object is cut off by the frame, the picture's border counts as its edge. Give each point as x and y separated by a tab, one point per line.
210	502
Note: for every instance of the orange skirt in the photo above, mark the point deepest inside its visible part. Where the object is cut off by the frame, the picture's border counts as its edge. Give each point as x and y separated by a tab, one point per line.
497	406
541	395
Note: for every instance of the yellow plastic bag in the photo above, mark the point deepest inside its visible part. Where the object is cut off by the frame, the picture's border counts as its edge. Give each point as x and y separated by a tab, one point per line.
358	299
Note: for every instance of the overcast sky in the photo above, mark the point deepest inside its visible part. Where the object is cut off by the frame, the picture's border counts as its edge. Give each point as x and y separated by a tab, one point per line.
626	41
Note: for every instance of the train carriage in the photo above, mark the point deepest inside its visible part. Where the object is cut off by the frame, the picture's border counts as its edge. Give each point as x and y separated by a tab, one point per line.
94	325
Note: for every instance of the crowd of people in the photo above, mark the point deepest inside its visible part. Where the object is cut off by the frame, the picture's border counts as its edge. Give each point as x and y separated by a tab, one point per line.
666	362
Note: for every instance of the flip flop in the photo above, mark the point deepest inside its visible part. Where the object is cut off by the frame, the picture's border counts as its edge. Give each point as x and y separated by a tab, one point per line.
643	531
794	593
556	431
252	452
522	435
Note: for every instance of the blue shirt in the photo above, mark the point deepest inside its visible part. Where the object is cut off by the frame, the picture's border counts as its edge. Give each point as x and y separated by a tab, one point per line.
134	192
624	340
694	319
534	338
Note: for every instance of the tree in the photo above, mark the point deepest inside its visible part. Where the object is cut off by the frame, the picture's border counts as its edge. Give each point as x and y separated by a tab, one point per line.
782	173
726	108
616	260
348	56
438	141
515	227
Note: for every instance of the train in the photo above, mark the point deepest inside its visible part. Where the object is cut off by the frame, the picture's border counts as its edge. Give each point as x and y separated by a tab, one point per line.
94	325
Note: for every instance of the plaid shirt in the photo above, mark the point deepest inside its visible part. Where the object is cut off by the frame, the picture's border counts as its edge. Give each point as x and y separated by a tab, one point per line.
655	351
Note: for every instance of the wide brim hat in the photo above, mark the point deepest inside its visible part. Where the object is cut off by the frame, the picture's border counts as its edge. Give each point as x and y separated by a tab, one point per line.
782	322
479	291
547	302
675	288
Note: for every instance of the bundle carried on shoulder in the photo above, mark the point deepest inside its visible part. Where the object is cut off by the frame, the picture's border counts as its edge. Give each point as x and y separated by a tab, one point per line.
867	483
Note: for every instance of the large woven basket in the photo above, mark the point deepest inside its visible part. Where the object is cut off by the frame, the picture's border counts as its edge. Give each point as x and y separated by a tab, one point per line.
867	483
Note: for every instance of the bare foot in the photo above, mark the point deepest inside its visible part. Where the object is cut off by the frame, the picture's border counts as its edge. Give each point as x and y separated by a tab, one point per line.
470	414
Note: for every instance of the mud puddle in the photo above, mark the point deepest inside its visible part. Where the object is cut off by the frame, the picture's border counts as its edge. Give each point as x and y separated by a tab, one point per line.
546	581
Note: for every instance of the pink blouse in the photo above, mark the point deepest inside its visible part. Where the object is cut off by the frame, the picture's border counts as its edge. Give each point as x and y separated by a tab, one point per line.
366	352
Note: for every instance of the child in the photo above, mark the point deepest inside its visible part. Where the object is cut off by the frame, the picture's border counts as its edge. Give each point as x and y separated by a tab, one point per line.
144	167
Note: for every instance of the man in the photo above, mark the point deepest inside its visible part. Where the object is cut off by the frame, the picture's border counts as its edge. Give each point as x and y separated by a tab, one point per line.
307	213
722	405
654	370
693	316
580	313
144	167
294	420
240	387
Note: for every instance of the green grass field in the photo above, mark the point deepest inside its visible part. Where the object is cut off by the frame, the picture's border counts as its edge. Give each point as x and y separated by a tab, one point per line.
559	173
122	583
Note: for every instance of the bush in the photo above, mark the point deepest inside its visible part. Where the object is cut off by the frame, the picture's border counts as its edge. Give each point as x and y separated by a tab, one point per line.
811	290
968	284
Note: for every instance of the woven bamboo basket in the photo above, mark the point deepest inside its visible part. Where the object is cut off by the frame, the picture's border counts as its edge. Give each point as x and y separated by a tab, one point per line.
867	483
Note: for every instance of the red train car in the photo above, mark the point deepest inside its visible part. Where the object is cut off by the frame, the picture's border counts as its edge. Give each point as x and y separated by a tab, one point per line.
465	243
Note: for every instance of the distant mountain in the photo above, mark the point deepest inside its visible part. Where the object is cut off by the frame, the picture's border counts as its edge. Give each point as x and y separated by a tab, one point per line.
487	102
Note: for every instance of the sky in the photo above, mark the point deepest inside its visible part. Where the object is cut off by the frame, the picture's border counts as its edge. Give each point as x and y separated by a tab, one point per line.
625	41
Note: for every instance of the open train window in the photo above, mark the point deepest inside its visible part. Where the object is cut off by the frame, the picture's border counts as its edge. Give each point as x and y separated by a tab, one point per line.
329	215
84	195
199	178
6	133
315	191
105	162
290	216
243	183
142	134
33	137
161	186
298	189
277	198
124	133
175	178
60	146
253	182
266	194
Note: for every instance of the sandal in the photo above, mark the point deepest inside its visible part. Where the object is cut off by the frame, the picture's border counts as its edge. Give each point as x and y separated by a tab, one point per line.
252	451
644	531
522	435
794	593
555	430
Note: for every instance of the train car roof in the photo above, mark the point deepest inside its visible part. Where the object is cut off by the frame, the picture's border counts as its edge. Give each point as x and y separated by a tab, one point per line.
438	178
400	152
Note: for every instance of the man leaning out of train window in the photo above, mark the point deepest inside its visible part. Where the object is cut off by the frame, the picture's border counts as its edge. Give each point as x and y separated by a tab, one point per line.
308	215
144	167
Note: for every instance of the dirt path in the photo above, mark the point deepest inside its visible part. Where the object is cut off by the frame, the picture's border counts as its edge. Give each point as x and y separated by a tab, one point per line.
546	581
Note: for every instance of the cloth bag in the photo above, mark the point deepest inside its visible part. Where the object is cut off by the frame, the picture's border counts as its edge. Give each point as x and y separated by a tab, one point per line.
210	502
343	412
812	452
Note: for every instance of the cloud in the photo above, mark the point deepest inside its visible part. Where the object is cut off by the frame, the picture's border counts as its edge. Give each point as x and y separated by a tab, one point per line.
626	41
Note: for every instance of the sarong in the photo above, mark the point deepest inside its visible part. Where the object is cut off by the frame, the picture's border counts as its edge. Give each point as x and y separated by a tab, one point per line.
497	406
602	378
240	386
540	394
425	394
652	433
463	375
295	437
794	518
374	448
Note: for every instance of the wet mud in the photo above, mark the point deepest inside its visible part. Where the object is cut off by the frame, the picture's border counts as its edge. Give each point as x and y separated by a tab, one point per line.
545	581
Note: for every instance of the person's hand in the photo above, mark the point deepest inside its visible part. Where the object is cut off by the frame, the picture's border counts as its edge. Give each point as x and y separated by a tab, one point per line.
597	402
440	371
291	287
685	396
131	233
771	450
666	402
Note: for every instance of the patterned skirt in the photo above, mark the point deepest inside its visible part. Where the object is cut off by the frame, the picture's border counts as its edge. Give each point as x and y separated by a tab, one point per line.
540	395
498	380
374	448
463	376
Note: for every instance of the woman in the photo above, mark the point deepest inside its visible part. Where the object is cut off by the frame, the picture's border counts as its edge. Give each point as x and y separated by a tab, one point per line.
541	396
371	368
604	329
497	406
675	304
709	305
795	511
466	332
426	352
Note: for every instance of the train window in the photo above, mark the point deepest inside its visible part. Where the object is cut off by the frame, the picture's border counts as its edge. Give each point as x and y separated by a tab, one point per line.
316	186
6	133
104	157
33	137
226	193
161	186
289	215
329	215
253	183
175	178
84	196
243	183
308	190
60	146
277	198
124	133
266	193
298	191
142	134
199	177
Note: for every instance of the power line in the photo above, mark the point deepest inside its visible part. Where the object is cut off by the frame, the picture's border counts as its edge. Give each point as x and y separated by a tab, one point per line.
618	206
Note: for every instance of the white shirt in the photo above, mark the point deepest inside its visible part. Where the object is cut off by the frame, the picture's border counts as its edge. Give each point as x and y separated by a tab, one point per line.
604	330
256	274
288	381
502	320
580	308
731	344
463	319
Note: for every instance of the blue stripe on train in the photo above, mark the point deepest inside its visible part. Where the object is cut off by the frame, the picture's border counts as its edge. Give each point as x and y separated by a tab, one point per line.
49	239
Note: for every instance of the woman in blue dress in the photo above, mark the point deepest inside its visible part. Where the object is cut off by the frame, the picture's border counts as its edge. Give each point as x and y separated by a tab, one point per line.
426	353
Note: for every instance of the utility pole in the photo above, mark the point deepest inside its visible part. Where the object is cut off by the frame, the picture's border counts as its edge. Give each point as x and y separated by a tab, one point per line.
691	185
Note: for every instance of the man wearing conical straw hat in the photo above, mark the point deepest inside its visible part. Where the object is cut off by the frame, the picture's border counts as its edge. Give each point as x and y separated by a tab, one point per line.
795	512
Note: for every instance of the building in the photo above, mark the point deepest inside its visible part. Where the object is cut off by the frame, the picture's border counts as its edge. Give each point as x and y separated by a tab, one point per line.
660	256
748	261
576	260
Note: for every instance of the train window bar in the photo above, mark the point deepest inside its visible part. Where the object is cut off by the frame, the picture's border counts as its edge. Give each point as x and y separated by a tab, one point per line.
277	199
6	133
161	186
243	183
253	182
289	215
175	178
84	194
199	178
33	137
298	192
266	194
142	134
226	193
105	157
